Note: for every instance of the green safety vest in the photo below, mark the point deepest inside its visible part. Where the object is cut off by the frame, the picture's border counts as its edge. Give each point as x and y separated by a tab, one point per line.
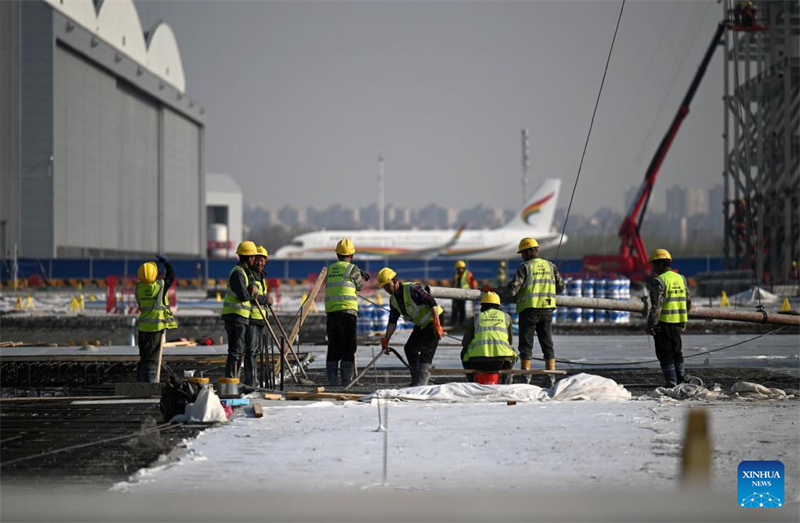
673	310
155	314
539	288
231	304
464	283
261	285
491	336
419	315
340	291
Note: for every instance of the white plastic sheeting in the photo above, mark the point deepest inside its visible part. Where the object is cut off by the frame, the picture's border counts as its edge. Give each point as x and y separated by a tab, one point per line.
206	408
577	387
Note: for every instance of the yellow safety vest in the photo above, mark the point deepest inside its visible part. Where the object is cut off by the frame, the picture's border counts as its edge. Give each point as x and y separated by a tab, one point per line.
155	314
419	315
231	304
673	310
464	283
261	284
340	291
491	336
539	288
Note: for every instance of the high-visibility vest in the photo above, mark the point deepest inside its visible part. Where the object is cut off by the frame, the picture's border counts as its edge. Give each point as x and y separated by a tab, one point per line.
491	336
155	314
464	283
340	291
673	310
261	284
231	304
419	315
539	288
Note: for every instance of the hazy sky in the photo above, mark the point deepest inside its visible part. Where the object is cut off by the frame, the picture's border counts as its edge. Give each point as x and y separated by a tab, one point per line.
301	97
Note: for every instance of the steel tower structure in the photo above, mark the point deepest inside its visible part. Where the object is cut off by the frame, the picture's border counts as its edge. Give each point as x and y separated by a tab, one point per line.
762	142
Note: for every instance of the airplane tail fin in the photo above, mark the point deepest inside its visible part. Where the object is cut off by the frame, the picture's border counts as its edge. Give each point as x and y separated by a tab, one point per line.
538	212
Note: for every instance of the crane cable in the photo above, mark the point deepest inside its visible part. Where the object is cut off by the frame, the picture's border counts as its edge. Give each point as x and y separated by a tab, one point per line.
589	134
748	179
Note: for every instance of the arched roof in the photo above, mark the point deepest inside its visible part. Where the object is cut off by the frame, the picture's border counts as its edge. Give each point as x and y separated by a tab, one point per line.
118	24
82	11
164	58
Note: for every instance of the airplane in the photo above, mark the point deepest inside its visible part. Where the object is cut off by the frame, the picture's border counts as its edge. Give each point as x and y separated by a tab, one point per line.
534	220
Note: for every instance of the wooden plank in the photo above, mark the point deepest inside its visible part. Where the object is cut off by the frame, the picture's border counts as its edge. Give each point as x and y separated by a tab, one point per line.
181	344
297	395
306	308
515	372
258	412
160	355
272	396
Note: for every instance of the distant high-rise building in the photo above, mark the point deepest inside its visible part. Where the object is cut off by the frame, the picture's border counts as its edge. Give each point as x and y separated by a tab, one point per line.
676	201
696	201
291	216
716	197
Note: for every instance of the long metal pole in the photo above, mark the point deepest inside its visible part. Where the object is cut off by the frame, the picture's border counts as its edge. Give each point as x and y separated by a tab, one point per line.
639	306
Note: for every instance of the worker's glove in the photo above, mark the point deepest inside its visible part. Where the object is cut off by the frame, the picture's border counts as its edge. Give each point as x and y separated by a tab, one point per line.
162	258
253	290
385	344
365	275
651	331
269	300
488	288
683	327
437	327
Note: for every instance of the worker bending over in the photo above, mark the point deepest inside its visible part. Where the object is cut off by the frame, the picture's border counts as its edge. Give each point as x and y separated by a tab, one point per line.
463	279
255	329
534	286
155	316
341	306
237	306
670	304
412	302
487	339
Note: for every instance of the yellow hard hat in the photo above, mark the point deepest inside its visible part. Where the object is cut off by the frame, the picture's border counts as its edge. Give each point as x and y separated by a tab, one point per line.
660	254
148	272
345	247
794	264
527	243
262	251
385	275
246	248
503	263
461	265
490	297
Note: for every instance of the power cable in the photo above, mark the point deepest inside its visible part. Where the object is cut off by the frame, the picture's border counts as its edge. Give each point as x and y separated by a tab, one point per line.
589	134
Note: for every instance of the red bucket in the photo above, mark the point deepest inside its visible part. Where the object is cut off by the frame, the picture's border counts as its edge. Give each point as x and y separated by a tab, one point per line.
487	378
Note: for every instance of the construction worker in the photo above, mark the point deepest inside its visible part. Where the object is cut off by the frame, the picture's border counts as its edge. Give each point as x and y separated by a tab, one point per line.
502	278
670	304
237	306
155	315
487	339
341	306
463	279
414	303
255	328
535	285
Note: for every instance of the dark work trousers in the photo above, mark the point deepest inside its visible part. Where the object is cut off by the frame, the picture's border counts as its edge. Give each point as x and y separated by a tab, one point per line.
669	347
539	321
236	335
252	344
342	343
459	312
148	356
489	364
421	346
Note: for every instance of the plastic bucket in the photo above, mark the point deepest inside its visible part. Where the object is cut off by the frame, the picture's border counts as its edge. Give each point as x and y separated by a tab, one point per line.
487	378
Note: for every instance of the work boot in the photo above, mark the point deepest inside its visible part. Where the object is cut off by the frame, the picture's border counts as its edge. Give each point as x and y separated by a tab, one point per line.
550	364
332	370
679	373
424	373
415	375
525	365
670	377
348	372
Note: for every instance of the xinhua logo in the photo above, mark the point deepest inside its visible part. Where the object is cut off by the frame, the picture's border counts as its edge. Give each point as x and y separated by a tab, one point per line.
761	484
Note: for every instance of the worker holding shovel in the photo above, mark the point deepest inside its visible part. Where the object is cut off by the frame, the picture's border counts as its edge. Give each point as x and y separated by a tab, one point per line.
254	333
155	316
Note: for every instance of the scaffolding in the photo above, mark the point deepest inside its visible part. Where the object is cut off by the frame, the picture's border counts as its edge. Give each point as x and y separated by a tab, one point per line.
762	142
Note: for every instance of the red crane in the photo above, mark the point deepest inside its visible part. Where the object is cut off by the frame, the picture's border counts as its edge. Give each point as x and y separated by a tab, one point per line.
632	258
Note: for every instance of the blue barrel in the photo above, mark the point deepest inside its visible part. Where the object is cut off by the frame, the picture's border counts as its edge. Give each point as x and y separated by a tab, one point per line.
587	316
615	289
600	288
364	323
574	287
574	315
561	315
625	288
555	316
600	316
587	289
380	319
614	316
625	317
